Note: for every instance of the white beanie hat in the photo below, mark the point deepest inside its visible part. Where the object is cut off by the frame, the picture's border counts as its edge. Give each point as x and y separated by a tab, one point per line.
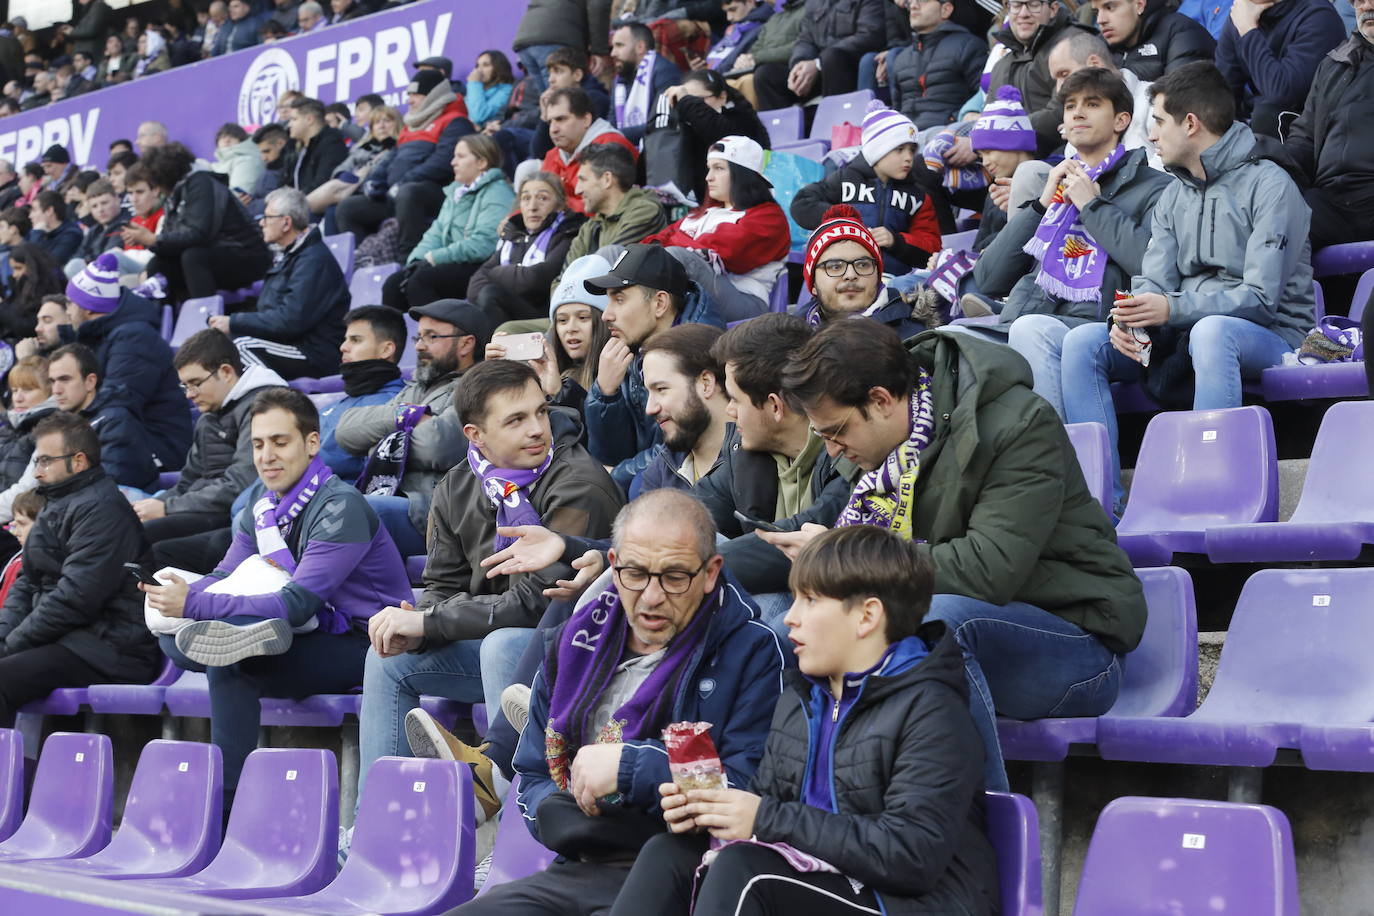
572	289
884	130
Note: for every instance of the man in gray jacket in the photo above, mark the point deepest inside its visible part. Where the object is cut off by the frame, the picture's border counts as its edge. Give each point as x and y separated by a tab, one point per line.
412	440
1225	287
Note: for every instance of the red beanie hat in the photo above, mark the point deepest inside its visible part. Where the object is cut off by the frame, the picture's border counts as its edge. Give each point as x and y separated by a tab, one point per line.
841	223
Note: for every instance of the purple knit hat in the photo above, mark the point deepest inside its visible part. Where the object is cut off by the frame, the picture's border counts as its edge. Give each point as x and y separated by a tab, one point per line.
96	288
1004	124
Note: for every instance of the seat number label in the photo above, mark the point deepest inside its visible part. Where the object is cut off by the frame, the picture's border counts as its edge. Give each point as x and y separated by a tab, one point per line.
1321	601
1194	841
417	787
290	775
1209	435
183	767
80	756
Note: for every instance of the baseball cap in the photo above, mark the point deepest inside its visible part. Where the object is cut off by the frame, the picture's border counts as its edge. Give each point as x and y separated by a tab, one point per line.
742	151
461	314
643	265
442	63
425	80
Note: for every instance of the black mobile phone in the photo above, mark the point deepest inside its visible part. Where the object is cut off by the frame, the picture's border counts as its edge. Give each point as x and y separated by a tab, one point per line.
756	522
141	574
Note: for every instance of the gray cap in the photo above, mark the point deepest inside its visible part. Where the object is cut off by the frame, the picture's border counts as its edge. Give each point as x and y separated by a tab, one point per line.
461	314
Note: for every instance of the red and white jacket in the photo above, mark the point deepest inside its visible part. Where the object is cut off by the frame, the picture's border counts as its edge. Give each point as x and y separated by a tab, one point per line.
752	244
565	166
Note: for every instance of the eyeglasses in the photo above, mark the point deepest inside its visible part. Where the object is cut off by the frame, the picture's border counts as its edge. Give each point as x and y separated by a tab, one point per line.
266	216
194	384
429	337
42	462
834	437
838	267
672	581
1033	6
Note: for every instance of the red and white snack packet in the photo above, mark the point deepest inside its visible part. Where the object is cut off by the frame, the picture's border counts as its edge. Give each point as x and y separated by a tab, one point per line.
692	756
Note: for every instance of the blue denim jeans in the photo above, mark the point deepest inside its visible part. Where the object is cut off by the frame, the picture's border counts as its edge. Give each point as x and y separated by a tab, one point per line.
1040	339
1025	663
532	59
1224	350
394	513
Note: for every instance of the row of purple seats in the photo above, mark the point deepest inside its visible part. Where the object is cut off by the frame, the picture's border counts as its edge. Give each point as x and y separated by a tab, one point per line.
365	288
341	247
194	316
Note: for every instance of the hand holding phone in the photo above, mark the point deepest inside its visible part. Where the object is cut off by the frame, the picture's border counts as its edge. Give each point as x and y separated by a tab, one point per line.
141	574
756	522
524	346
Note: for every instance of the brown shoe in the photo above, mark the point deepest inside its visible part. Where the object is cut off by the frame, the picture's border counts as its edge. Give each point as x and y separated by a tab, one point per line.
973	307
430	739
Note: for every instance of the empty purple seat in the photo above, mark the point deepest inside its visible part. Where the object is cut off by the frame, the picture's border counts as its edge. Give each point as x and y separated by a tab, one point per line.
283	831
11	781
1014	830
1178	855
784	125
365	287
959	240
814	150
835	110
1334	517
189	696
1296	654
413	844
194	316
172	816
1159	678
134	699
324	385
72	806
1093	447
1350	258
1196	470
516	854
167	322
1320	382
341	247
409	358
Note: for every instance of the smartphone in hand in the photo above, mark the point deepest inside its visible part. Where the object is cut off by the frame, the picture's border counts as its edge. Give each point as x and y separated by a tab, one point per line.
141	574
756	522
524	346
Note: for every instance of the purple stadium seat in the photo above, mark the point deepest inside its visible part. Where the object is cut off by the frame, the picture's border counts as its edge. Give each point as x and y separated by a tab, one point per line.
784	125
1265	689
1323	381
189	696
134	699
326	385
413	844
167	322
1334	517
408	358
366	286
72	805
322	400
959	240
11	781
415	568
168	479
814	150
835	110
1351	258
777	298
1159	678
283	831
517	854
1014	830
172	816
1196	470
1363	290
341	247
194	317
1177	855
1093	447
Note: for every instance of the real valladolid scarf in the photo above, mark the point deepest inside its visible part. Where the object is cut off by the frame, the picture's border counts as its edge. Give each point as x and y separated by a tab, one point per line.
886	495
509	491
632	103
1072	263
273	515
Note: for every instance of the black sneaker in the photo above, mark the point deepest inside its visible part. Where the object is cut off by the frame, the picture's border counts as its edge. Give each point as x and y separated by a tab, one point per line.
215	643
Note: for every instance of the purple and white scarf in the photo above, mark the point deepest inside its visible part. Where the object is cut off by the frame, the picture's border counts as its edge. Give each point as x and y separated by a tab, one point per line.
509	491
582	665
632	102
815	318
950	269
273	514
1072	264
886	495
386	463
538	249
734	34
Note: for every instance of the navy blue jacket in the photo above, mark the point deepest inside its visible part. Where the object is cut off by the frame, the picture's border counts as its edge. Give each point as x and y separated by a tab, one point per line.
734	683
61	242
662	472
302	303
933	75
421	160
896	314
125	453
342	462
132	354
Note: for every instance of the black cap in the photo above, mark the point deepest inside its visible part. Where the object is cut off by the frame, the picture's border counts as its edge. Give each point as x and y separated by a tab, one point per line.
461	314
643	265
441	63
425	80
57	153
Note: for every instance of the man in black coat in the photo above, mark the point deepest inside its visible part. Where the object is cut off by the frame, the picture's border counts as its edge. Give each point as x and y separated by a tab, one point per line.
125	448
321	148
74	617
1149	38
89	27
825	58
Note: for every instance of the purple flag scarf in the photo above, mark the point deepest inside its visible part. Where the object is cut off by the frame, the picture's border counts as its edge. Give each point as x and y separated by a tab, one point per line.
734	34
815	319
950	268
273	515
584	661
1072	264
886	495
386	464
539	247
632	103
509	491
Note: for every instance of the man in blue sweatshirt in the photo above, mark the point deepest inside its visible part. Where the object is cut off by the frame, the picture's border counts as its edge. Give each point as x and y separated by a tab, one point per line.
374	339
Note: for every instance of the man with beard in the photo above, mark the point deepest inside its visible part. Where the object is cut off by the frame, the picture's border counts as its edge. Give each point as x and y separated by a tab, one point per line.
47	334
412	440
687	400
374	339
641	76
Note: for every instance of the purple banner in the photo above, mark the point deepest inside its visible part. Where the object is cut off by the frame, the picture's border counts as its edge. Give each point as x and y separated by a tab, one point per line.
333	64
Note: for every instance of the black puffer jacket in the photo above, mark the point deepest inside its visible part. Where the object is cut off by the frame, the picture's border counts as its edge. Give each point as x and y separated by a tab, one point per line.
321	156
1166	39
907	773
73	591
533	283
1331	141
933	75
855	26
202	212
126	451
16	442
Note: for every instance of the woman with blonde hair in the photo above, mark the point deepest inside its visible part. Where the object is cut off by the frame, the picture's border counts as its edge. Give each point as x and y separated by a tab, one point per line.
383	127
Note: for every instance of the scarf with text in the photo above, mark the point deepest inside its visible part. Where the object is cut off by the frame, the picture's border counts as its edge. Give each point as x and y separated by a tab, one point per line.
886	495
509	491
632	102
273	514
386	463
1072	264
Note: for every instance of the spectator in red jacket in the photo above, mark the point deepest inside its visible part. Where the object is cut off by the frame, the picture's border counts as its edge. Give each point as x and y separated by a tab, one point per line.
735	245
573	127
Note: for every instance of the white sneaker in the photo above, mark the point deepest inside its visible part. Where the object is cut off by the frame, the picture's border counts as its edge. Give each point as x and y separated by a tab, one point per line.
479	874
345	844
515	706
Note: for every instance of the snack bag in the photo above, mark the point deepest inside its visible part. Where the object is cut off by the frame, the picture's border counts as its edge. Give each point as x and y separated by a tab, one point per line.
692	756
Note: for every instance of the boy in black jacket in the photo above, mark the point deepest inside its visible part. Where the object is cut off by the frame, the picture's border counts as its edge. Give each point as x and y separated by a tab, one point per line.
888	814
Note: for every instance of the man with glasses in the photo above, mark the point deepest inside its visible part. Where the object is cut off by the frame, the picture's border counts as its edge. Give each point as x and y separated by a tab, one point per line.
1034	27
297	326
843	273
219	464
664	638
74	617
413	439
524	466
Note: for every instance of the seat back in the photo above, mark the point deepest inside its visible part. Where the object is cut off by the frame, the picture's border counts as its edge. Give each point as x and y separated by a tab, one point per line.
837	109
365	287
283	830
414	839
72	805
409	359
784	125
167	323
11	781
341	247
1014	830
958	241
1297	650
1159	676
1363	290
516	854
1179	855
1202	468
1340	477
194	316
1093	447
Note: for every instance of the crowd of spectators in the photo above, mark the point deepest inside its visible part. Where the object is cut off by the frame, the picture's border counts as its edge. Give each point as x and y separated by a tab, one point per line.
628	477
